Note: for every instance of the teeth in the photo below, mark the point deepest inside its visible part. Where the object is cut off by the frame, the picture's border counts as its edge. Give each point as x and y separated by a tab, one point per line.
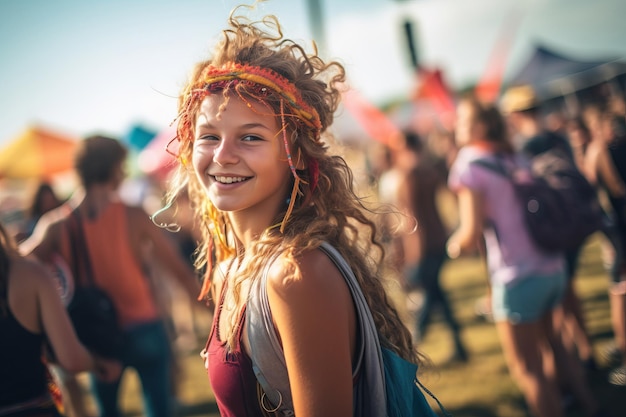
229	180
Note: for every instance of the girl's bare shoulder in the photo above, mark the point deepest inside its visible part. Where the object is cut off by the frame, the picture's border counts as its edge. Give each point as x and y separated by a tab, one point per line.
308	273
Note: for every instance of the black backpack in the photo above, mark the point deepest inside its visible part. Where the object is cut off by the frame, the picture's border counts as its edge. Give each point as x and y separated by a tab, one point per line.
561	208
91	309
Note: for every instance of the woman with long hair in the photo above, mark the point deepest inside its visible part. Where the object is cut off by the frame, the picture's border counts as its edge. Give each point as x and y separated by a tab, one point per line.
268	194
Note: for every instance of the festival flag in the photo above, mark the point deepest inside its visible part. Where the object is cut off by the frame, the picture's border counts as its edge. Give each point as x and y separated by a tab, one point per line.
373	120
488	87
432	88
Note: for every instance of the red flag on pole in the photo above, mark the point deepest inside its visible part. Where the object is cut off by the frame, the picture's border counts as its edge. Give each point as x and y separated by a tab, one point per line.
488	87
432	88
373	120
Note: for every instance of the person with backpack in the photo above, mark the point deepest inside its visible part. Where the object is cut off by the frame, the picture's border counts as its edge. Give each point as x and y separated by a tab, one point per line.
527	283
521	107
292	256
97	228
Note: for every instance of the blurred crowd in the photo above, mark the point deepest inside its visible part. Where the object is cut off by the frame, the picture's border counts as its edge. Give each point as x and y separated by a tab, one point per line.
530	294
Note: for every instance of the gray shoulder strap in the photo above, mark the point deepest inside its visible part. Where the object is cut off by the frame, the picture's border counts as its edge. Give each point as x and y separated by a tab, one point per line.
266	353
268	360
369	391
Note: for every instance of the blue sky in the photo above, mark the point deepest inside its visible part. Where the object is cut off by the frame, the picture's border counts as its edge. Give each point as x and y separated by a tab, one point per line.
82	66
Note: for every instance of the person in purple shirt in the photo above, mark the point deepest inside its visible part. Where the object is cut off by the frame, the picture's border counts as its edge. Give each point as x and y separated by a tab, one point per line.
527	284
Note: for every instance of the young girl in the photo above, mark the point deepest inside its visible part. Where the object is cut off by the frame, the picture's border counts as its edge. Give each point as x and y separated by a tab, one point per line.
267	194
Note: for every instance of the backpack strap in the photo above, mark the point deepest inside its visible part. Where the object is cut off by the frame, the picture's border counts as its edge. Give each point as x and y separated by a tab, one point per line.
369	391
81	262
266	354
268	359
496	165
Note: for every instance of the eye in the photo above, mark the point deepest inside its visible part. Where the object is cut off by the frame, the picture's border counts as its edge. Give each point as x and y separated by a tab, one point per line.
207	138
251	138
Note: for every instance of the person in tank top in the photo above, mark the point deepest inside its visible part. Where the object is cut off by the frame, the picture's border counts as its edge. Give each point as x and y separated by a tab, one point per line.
255	157
119	239
33	320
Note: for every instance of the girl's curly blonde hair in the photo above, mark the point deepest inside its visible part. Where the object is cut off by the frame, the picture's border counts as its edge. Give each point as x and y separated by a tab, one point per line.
326	207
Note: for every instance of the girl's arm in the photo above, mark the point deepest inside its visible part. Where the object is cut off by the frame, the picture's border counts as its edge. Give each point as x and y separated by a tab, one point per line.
314	315
468	236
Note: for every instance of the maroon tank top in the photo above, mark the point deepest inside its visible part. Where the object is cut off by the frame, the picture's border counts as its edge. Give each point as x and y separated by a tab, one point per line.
230	372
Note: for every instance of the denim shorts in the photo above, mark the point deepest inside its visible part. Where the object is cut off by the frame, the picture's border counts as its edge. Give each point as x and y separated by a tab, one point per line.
528	299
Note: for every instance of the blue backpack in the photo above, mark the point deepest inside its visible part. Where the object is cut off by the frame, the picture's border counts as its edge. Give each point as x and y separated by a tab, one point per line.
402	389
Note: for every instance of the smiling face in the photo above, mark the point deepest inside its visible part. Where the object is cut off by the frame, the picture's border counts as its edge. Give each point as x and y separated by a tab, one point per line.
239	158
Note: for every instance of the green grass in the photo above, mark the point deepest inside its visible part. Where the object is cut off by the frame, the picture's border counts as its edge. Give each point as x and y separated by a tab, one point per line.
480	388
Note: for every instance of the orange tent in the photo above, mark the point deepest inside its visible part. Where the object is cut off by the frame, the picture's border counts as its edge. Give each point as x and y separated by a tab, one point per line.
37	153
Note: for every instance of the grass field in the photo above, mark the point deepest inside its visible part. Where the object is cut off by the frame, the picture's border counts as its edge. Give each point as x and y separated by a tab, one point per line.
481	387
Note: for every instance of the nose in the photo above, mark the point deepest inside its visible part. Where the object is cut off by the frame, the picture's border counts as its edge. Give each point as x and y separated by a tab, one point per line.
225	153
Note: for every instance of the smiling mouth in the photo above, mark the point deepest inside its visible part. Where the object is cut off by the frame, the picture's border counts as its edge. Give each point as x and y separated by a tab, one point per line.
230	180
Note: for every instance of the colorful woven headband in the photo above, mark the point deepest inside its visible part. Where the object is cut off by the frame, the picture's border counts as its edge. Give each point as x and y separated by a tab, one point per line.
256	80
